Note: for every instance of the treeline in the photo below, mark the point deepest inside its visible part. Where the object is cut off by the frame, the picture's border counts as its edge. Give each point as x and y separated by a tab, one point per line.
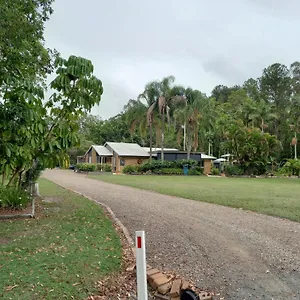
257	122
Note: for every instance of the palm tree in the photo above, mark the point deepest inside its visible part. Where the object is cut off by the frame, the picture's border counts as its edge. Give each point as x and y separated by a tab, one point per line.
150	95
263	113
294	121
166	97
189	116
135	112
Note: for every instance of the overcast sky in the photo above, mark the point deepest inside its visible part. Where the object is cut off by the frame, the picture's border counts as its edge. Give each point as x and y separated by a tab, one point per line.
202	43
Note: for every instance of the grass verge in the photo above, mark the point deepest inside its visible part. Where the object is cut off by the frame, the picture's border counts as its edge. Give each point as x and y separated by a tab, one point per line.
62	253
272	196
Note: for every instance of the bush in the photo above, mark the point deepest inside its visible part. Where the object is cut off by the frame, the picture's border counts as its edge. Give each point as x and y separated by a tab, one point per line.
86	167
234	170
182	162
158	164
168	171
215	171
103	167
129	169
291	167
11	197
106	168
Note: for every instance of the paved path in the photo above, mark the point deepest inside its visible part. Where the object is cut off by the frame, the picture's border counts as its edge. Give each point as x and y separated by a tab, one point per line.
241	255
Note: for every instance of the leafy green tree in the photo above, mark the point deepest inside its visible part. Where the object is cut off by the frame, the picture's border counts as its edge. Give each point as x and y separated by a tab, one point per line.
275	85
22	52
35	134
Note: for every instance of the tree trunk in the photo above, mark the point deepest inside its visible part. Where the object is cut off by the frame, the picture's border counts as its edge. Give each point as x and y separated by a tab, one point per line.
14	176
150	127
262	125
162	134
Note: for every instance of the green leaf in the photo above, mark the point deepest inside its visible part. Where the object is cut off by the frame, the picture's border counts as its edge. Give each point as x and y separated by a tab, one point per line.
40	128
8	152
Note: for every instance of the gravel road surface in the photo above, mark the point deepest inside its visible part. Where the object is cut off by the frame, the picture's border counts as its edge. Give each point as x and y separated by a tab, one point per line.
236	253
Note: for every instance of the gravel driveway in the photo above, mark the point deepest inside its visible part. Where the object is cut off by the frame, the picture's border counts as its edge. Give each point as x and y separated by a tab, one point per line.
238	254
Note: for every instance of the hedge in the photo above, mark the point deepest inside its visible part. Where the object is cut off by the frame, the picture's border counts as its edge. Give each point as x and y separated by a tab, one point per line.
165	167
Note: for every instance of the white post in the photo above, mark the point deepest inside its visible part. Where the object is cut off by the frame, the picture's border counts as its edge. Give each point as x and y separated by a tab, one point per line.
295	146
141	266
184	136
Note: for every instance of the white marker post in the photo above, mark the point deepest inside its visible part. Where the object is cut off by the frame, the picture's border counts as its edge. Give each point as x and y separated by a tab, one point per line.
141	266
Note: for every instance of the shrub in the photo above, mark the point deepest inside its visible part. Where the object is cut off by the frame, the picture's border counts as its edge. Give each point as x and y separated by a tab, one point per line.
86	167
129	169
215	171
193	172
106	168
168	171
234	170
11	197
158	164
291	167
182	162
103	167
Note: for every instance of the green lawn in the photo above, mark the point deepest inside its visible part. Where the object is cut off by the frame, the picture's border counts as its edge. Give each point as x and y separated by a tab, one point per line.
273	196
59	255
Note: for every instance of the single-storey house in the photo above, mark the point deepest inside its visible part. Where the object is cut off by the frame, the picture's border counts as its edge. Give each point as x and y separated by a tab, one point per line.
118	155
124	154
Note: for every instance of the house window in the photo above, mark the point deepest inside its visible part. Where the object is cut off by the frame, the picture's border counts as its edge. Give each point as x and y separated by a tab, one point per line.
122	162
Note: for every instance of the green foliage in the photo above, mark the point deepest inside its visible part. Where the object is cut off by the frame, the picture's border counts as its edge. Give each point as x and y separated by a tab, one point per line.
291	168
106	168
15	198
158	164
168	171
33	131
103	167
195	171
234	170
85	167
22	52
215	171
129	169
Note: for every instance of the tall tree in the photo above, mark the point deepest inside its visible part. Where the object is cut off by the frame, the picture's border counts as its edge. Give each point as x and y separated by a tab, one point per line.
276	85
36	133
22	52
150	94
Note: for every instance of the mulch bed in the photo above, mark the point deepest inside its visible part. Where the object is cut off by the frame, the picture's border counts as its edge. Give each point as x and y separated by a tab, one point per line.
28	210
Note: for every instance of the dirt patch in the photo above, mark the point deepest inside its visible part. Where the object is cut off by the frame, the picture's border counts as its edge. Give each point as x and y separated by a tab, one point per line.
4	241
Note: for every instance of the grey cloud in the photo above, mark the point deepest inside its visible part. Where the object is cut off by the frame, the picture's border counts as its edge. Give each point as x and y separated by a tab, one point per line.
201	43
